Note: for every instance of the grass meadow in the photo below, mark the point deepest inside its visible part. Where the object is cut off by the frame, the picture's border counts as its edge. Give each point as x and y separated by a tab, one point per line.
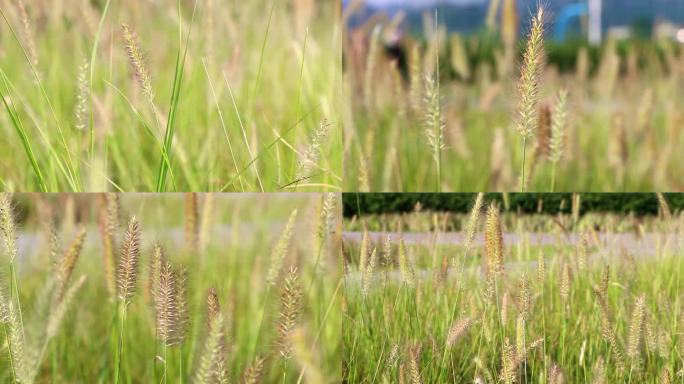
170	288
212	95
492	112
500	297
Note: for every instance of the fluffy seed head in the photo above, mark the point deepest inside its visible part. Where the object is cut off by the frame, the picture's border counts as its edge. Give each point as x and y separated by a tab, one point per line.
109	227
636	328
369	272
290	309
82	97
254	372
528	85
128	261
280	250
471	227
137	60
544	133
458	330
414	364
8	226
434	121
191	221
493	241
558	126
407	273
309	159
65	266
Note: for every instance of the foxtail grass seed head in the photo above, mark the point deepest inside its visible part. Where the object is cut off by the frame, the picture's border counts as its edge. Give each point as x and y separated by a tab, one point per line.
137	61
182	305
60	309
471	226
308	161
65	266
415	78
458	330
636	328
582	251
16	342
109	228
8	227
558	127
393	356
254	372
157	261
387	251
541	268
167	308
213	305
524	297
363	252
520	336
369	272
407	273
507	363
191	222
598	372
544	134
528	85
564	285
128	261
326	220
414	364
434	121
290	310
493	240
279	251
27	31
212	352
82	97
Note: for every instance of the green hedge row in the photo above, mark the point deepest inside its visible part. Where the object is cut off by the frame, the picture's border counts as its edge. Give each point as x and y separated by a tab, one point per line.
638	203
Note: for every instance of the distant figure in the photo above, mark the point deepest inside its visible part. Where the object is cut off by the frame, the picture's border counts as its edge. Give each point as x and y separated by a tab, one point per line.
395	48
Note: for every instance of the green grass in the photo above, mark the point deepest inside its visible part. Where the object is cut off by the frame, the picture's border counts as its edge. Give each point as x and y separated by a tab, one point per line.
400	316
239	237
240	90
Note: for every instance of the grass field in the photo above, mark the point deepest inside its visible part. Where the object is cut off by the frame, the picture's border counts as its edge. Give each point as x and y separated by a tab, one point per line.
476	113
497	297
247	289
170	96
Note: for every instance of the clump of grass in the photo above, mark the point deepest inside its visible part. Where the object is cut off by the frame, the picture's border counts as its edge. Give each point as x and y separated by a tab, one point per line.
162	321
533	331
148	148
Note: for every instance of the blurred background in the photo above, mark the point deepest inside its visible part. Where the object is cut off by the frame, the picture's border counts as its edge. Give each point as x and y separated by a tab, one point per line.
591	20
